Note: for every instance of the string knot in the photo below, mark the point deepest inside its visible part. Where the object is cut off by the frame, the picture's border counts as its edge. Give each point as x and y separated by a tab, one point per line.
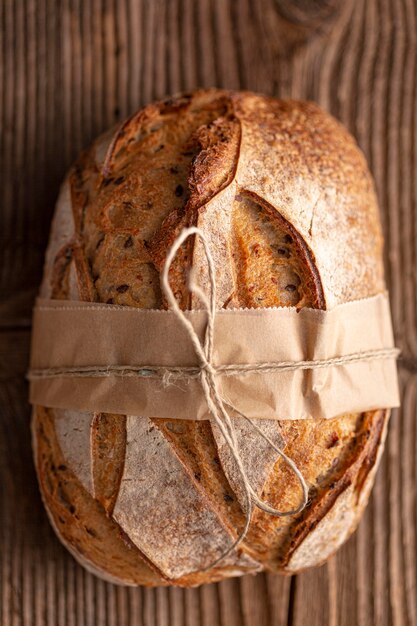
208	368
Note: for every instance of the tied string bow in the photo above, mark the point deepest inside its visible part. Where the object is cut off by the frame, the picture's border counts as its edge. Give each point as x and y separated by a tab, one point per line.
209	381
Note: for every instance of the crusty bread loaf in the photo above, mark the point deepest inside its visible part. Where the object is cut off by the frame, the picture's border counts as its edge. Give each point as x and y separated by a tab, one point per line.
284	195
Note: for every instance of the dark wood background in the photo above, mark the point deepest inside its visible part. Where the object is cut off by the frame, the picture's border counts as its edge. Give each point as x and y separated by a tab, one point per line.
70	69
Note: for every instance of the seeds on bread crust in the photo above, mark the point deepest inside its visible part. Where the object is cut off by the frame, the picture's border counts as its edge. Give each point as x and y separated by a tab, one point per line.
282	191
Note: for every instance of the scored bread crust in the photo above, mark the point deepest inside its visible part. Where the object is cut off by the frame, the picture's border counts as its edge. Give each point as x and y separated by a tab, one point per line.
284	196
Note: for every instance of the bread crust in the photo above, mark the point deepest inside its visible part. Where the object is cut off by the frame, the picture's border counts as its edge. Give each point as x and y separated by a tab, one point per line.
284	195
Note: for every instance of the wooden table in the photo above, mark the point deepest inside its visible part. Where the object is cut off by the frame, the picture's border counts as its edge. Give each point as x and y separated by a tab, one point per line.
72	68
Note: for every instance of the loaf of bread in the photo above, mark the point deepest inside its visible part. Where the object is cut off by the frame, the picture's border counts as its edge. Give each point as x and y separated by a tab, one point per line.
285	198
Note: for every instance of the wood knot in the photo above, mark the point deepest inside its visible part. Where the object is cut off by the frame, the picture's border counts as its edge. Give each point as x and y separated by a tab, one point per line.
309	13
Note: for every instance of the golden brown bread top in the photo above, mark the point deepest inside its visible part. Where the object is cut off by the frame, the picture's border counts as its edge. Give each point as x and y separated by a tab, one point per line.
284	195
197	160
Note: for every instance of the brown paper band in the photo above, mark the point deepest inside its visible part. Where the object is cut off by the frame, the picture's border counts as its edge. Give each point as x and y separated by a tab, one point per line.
271	363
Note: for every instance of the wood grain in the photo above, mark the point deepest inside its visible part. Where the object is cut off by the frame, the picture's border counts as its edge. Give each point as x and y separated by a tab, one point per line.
70	70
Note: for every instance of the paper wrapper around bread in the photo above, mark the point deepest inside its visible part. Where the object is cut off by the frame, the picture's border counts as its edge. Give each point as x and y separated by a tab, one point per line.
276	363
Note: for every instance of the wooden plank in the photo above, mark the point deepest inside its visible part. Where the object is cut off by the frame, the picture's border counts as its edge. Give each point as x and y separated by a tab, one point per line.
71	69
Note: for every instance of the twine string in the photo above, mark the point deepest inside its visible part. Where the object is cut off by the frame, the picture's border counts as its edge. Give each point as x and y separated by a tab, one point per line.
208	375
184	372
